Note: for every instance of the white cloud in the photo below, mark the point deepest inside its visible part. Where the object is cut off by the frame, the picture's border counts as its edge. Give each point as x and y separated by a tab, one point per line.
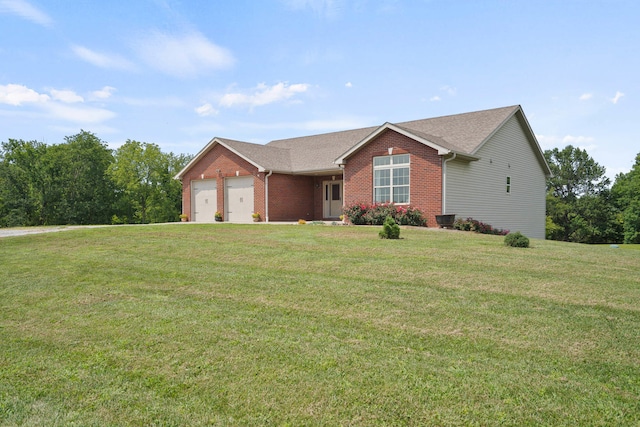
547	142
78	114
187	55
26	10
451	91
326	8
263	95
55	106
616	98
586	96
103	93
206	110
67	96
16	95
575	140
348	84
102	60
448	90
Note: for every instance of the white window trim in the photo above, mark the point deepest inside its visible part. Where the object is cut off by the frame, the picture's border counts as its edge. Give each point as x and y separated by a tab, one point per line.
391	186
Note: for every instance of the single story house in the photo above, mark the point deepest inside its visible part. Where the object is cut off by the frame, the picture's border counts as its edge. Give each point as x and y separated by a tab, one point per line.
486	165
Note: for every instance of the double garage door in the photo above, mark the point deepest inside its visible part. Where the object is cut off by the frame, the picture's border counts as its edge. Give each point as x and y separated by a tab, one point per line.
238	196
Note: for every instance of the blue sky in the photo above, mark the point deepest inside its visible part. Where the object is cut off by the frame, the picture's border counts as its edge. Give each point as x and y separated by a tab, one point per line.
177	73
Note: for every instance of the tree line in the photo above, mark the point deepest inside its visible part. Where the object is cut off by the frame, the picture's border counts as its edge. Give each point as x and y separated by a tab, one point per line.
82	181
583	206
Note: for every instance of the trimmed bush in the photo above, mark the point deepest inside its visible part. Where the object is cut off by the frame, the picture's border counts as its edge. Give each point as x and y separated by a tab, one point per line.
471	224
390	230
516	240
376	214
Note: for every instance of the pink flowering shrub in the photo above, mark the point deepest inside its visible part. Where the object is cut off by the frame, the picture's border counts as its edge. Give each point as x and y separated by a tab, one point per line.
365	214
471	224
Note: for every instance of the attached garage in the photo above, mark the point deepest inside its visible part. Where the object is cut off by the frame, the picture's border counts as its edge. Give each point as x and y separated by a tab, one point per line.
204	196
239	199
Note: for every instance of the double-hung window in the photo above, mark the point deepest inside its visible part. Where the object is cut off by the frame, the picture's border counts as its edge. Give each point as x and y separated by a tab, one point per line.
391	179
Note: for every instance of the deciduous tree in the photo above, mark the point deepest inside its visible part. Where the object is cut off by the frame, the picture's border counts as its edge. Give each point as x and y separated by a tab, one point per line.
21	183
80	189
626	197
578	199
146	190
574	173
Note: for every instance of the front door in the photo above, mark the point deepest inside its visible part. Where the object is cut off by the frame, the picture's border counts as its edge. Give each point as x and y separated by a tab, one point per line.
332	204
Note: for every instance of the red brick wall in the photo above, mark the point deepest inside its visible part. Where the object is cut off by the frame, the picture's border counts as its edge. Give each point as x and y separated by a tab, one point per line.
227	163
425	173
291	197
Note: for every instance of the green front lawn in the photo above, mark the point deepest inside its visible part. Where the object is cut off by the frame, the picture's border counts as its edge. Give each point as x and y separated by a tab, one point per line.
226	324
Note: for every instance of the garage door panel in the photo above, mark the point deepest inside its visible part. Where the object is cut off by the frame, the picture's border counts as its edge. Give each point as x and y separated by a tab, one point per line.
205	194
239	199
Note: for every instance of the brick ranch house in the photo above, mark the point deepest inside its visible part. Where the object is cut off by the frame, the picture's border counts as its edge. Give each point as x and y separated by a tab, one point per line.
486	165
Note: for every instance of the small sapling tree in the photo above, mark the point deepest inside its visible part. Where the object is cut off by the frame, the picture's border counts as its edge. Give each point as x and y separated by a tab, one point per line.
390	230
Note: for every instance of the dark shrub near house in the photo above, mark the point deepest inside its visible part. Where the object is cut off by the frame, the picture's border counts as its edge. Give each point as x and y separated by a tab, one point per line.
516	240
470	224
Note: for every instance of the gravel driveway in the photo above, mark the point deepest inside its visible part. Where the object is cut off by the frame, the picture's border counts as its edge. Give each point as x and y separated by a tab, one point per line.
23	231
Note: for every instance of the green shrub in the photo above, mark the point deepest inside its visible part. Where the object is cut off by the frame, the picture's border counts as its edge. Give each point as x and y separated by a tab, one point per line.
115	219
516	240
390	230
363	214
470	224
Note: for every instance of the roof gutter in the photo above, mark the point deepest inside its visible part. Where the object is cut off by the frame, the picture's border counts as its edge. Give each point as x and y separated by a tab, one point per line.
444	182
266	196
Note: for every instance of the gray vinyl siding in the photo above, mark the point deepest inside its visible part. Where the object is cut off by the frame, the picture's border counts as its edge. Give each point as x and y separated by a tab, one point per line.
478	189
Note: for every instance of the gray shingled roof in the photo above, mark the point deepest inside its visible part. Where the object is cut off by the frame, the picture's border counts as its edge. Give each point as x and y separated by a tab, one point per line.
318	152
268	157
460	133
463	133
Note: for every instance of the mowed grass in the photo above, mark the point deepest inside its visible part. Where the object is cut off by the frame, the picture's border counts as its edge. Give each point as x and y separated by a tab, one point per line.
315	325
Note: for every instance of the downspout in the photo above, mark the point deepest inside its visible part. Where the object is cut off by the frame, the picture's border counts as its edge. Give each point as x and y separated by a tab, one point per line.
444	183
266	196
343	196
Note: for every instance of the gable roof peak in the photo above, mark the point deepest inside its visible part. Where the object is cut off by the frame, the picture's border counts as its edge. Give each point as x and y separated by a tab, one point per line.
461	133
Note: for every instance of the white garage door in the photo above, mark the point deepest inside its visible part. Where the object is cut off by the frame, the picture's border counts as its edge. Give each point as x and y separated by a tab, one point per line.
204	196
239	199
